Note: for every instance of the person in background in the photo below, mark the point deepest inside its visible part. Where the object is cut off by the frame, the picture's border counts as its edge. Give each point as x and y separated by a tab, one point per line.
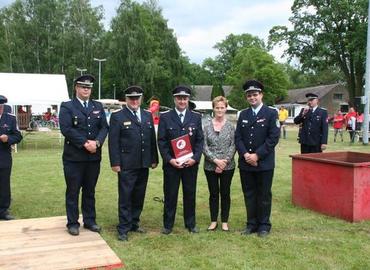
132	151
256	135
350	120
173	124
313	135
84	127
9	135
219	164
338	122
283	116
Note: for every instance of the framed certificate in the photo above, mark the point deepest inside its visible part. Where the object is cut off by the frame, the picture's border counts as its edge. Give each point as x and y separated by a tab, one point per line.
182	148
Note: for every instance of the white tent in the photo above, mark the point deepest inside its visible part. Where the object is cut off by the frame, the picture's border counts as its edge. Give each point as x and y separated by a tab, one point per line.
34	89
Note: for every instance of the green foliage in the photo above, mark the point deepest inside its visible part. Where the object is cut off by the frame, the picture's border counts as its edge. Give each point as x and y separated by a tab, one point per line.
328	35
143	50
256	63
195	74
217	90
229	48
300	79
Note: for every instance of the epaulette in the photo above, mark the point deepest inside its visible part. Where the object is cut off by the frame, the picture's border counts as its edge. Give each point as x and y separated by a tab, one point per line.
196	112
117	110
12	114
165	112
147	110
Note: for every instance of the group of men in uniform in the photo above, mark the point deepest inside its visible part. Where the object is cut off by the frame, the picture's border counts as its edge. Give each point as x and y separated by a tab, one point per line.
133	150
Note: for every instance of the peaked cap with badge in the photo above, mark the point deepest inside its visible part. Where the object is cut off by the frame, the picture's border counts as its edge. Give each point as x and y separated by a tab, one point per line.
86	80
181	90
253	85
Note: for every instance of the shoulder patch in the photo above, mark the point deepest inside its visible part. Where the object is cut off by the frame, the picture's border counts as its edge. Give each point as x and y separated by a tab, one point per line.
116	110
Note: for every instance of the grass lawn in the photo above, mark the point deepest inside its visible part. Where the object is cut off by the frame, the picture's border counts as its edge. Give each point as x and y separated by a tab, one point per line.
300	239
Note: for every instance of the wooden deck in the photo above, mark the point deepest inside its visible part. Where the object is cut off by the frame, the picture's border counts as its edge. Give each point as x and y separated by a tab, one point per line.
43	243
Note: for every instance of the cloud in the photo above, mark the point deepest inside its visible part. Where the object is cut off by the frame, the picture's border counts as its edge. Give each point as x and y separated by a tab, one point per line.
257	19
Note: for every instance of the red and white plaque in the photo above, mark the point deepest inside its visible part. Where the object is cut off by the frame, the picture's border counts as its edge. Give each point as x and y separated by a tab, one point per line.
182	148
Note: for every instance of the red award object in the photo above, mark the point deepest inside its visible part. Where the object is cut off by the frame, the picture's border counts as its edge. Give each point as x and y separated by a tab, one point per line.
182	148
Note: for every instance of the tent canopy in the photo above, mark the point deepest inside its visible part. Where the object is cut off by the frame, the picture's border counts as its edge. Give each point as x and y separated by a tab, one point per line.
33	89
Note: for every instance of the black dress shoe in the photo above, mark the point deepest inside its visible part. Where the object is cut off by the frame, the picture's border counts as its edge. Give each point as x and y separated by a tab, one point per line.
93	227
166	231
248	231
138	230
122	237
74	231
7	217
193	230
263	233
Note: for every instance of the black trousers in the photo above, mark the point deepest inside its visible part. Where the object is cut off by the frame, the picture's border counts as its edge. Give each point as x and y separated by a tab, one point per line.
171	183
219	186
131	193
257	197
81	175
5	190
305	149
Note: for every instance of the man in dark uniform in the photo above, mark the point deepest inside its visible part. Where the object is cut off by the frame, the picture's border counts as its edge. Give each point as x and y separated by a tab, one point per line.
257	133
84	126
9	134
313	134
132	151
173	124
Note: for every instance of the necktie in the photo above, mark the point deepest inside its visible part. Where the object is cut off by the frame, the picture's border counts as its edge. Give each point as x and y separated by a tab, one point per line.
181	115
85	105
254	113
137	117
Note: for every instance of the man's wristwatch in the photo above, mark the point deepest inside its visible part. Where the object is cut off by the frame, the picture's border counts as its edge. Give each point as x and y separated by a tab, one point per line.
97	143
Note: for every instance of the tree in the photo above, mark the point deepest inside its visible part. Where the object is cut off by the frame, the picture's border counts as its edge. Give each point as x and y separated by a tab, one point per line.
229	48
328	34
143	50
256	63
217	90
195	74
300	79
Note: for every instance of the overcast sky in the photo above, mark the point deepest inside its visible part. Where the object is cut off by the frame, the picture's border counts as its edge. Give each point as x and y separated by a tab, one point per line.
200	24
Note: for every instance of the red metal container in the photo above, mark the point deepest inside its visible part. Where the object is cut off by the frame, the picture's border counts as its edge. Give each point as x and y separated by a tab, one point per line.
334	183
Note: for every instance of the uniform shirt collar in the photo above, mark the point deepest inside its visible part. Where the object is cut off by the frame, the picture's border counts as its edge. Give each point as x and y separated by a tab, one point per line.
178	112
137	112
314	108
82	102
256	110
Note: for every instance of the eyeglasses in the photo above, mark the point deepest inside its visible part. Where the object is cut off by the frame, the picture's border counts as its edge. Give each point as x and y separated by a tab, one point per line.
252	95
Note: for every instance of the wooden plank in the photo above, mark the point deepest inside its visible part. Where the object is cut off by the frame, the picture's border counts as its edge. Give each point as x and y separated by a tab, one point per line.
45	244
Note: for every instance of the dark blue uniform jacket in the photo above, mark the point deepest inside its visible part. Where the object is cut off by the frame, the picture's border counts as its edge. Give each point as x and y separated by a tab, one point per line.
314	130
257	134
78	125
132	145
170	127
8	126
